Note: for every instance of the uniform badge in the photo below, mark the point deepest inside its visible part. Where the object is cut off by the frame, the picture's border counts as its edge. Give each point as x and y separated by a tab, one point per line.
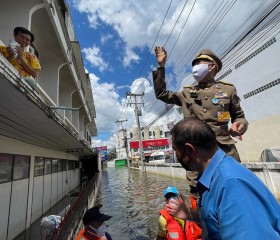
223	116
215	101
220	94
193	94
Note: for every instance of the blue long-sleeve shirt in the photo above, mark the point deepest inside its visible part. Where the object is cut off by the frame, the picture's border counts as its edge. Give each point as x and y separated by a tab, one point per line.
235	204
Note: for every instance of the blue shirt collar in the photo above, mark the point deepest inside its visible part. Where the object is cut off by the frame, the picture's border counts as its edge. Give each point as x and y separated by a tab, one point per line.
206	176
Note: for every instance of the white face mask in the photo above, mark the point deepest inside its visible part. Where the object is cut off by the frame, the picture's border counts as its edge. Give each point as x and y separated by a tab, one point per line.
200	71
99	232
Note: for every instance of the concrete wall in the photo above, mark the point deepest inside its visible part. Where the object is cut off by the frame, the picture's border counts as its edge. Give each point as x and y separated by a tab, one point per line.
269	173
24	200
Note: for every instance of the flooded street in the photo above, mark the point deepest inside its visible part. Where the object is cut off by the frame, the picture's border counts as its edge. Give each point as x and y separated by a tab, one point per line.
134	200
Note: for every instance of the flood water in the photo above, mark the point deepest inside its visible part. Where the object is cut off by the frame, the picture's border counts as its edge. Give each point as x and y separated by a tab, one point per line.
134	200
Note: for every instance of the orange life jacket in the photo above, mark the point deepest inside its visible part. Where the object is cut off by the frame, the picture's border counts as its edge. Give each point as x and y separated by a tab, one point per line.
193	202
194	232
193	226
81	236
191	231
174	230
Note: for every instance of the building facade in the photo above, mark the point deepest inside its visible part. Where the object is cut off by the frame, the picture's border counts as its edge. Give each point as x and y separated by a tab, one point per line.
153	139
44	132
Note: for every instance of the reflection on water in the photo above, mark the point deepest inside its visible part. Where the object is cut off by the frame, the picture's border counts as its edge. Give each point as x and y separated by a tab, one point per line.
134	200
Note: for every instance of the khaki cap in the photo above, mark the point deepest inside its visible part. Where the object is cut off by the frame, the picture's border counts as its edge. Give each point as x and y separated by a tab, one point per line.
209	55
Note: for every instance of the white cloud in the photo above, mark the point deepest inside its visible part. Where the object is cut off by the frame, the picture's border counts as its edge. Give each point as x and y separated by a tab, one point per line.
111	107
108	107
106	37
110	143
130	56
137	24
123	87
93	55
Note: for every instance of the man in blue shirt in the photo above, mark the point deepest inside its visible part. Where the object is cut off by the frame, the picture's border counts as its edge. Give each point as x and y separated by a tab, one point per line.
234	203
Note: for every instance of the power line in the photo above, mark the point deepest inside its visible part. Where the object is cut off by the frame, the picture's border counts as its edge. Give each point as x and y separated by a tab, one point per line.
204	35
149	54
163	113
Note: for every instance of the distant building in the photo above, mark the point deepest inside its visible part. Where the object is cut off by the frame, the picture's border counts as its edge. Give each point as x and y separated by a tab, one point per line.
155	138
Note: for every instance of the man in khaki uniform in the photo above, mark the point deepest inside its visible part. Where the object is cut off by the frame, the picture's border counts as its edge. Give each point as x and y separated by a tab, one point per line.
214	102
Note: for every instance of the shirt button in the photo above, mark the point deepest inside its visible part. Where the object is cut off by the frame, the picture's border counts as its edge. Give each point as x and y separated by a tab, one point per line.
204	110
206	98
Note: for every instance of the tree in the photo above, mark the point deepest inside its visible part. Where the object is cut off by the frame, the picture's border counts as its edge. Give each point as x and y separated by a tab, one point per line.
112	154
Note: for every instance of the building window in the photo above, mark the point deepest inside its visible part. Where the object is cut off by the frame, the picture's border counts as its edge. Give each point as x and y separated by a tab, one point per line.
77	164
39	166
225	74
48	166
63	165
54	165
151	134
6	165
71	165
21	167
167	134
59	165
255	53
262	88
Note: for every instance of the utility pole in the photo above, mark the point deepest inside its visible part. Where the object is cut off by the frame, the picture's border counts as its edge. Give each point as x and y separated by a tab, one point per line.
118	147
125	140
137	114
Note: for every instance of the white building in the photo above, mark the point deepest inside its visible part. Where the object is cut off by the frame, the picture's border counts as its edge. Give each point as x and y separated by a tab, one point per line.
41	142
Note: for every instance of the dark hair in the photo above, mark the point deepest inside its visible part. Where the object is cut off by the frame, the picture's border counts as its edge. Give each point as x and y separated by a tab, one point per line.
19	30
194	131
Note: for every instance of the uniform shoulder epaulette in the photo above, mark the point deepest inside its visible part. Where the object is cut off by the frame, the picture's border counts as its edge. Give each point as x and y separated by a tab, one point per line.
227	83
189	87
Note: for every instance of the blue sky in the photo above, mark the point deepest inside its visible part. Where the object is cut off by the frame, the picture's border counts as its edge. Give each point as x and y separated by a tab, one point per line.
116	38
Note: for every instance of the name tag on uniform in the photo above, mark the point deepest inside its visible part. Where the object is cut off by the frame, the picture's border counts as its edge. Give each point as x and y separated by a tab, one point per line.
221	95
223	116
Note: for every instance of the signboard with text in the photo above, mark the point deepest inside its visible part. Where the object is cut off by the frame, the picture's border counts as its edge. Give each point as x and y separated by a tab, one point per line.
102	152
150	143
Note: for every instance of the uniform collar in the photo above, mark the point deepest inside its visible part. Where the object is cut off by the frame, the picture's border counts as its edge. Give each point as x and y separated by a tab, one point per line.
206	84
205	179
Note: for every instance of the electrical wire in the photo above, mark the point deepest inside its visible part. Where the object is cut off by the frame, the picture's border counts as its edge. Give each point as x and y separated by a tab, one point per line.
205	35
152	47
199	35
161	115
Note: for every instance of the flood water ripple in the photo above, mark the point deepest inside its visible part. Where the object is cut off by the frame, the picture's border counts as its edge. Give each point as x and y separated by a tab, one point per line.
134	200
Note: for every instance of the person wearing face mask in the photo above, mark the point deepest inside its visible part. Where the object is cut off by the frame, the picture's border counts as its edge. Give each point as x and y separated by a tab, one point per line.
215	102
234	203
171	227
26	63
95	227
